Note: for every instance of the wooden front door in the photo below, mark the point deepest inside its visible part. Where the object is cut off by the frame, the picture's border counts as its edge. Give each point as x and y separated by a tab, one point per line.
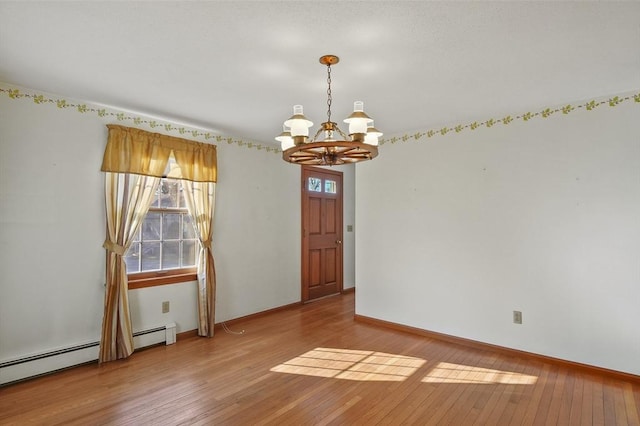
321	232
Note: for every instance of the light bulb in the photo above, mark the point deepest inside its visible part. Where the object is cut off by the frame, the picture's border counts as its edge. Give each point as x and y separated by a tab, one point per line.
372	135
358	120
286	144
285	139
298	123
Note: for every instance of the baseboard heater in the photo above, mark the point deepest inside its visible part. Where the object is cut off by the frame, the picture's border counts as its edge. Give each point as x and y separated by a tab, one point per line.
28	367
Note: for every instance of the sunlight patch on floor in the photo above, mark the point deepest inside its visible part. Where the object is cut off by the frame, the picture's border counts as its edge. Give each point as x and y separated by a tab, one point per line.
349	364
446	372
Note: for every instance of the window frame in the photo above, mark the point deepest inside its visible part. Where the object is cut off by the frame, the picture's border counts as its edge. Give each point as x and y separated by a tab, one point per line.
154	278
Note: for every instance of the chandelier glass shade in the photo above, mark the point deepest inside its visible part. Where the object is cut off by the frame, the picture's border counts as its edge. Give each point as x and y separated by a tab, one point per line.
330	145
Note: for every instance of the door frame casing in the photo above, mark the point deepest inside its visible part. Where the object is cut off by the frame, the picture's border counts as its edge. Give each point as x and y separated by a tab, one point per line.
304	237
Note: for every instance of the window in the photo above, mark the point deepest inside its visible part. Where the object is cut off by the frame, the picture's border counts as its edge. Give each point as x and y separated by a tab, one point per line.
330	186
166	247
315	185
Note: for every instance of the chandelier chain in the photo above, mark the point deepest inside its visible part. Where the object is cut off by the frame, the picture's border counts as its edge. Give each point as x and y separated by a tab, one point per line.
329	98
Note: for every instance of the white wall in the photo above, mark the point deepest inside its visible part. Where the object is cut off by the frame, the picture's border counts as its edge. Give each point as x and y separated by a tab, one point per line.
257	232
145	305
52	230
349	237
457	231
349	218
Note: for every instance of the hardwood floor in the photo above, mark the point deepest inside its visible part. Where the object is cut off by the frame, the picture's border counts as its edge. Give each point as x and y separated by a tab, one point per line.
314	365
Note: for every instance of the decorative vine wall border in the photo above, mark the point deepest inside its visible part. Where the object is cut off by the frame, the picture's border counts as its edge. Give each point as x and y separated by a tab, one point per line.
527	116
121	116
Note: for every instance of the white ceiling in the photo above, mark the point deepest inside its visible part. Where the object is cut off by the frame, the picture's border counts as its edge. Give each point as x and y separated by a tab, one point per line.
237	67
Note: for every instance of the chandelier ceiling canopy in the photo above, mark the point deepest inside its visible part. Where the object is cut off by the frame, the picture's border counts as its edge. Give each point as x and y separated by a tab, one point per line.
330	145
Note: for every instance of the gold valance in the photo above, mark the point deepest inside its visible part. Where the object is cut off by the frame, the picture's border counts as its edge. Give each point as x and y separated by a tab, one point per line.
140	152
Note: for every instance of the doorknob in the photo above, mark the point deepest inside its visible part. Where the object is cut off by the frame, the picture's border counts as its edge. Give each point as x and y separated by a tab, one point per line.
338	241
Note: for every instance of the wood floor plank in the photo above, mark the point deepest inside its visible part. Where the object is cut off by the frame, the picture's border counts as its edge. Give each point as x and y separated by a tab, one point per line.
597	401
636	395
633	415
544	405
566	400
314	365
608	390
553	415
575	411
586	414
526	413
620	405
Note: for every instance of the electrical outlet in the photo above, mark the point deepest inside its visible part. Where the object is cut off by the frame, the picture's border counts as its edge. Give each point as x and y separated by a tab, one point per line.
349	228
165	307
517	317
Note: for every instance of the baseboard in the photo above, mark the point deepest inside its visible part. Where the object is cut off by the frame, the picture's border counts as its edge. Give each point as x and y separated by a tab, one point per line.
187	334
348	290
257	315
218	326
619	375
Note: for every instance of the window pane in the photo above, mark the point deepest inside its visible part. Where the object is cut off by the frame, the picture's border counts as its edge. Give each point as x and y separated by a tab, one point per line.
150	256
170	254
171	226
189	251
151	227
181	203
136	237
169	193
330	186
188	232
156	200
132	257
315	184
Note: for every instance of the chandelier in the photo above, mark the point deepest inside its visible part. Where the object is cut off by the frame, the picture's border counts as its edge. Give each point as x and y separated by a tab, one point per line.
330	145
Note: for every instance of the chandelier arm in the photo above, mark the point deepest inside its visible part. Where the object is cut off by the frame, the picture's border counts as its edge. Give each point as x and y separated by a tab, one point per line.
361	156
305	155
307	160
315	137
346	150
353	152
346	138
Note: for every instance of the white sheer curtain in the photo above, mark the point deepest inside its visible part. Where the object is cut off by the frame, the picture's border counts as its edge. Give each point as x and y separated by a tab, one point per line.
127	198
200	199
